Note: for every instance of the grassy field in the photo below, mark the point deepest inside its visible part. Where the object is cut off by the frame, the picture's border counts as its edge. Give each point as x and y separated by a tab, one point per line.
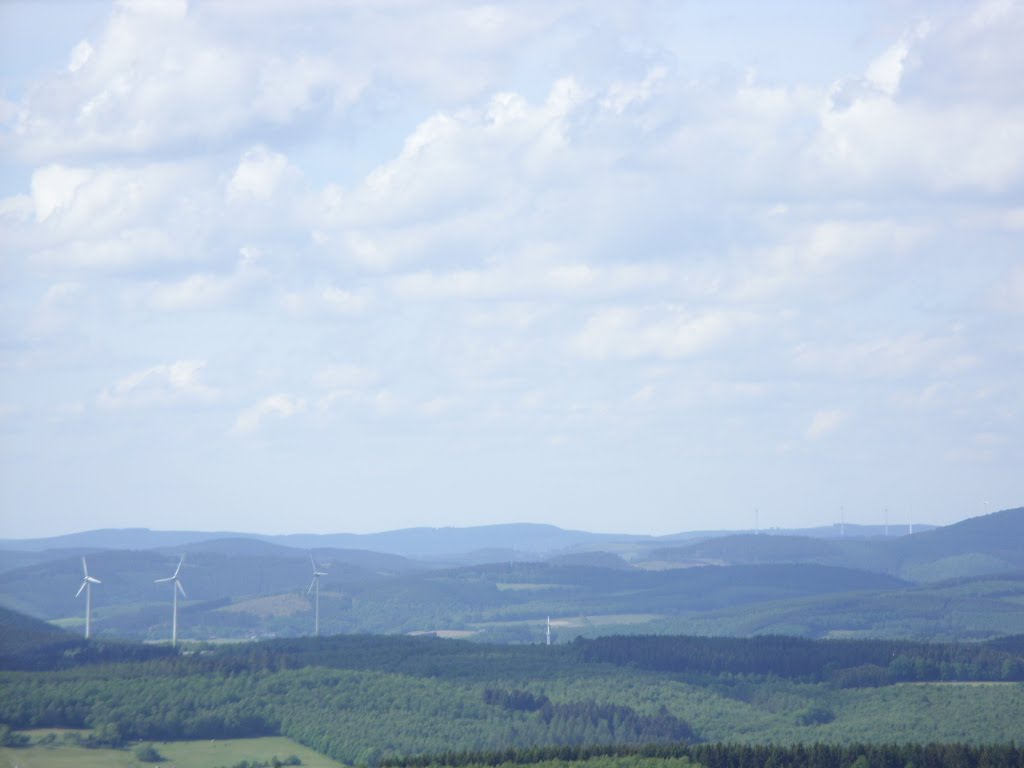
179	754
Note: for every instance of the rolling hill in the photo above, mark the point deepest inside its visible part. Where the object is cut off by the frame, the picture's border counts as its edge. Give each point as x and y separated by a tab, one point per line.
960	581
978	546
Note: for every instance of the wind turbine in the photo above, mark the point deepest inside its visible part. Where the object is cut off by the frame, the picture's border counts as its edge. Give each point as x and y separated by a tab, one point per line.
549	631
177	588
316	583
87	582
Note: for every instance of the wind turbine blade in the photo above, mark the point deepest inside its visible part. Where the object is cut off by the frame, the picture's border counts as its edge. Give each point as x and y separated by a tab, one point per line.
80	589
311	585
178	569
161	581
180	588
85	569
313	563
93	580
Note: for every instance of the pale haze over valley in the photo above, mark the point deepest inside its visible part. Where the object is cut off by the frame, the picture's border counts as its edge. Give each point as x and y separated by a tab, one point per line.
296	266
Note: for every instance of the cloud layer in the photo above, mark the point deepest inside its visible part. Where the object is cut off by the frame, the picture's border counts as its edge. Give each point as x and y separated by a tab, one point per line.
465	263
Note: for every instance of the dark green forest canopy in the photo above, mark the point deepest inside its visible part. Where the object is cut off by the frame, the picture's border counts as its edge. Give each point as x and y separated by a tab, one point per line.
775	655
732	756
366	698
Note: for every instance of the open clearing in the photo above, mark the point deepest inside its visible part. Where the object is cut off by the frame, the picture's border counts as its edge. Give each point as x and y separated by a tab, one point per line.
608	619
504	586
451	634
179	754
274	605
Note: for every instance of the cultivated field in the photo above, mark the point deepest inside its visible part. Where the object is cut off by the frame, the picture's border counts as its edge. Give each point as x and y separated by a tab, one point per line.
179	754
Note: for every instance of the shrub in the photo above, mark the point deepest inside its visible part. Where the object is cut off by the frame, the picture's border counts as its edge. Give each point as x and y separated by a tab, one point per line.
147	753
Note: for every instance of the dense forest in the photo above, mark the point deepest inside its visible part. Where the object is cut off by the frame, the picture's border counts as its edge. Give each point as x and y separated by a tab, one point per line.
860	755
364	699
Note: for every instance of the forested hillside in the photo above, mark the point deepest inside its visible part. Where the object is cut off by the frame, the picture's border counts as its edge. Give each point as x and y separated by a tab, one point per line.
961	582
364	699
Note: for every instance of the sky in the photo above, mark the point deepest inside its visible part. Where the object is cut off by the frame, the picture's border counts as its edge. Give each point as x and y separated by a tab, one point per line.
305	266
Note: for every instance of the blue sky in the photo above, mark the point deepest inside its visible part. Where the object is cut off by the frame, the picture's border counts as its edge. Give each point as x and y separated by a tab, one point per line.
311	266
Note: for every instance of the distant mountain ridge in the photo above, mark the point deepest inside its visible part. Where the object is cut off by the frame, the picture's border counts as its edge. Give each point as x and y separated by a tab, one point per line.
973	547
422	542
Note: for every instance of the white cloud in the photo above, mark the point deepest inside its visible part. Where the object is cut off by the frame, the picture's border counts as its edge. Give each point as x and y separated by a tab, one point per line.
953	122
820	251
169	10
281	406
1009	293
881	143
886	71
54	187
533	277
667	332
344	302
200	290
155	78
824	423
115	216
991	12
80	56
887	357
329	301
56	309
259	174
345	376
159	385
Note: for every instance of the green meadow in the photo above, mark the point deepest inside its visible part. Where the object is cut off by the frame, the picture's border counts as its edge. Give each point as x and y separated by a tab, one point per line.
179	754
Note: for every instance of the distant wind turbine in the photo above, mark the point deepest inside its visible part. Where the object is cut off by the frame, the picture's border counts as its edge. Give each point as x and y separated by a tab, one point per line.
176	589
549	631
315	584
87	582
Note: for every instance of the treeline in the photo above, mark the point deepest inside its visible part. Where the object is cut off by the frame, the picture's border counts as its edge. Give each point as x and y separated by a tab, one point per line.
849	663
51	652
860	755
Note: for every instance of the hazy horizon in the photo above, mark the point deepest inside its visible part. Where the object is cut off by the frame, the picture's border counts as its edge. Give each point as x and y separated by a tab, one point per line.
274	266
898	527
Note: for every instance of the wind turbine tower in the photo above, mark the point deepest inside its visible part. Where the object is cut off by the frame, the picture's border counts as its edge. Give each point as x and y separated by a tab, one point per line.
176	589
87	582
315	585
548	634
